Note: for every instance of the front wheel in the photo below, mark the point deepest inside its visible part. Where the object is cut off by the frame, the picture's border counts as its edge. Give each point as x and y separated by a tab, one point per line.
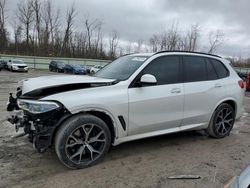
222	121
82	141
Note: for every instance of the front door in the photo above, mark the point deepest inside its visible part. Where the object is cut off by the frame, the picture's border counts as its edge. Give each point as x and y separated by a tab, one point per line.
157	107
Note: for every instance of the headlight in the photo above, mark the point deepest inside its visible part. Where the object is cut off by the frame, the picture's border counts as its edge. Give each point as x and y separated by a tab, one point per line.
37	107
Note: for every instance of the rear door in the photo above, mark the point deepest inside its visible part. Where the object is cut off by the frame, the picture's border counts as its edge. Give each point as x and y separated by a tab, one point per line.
203	90
157	107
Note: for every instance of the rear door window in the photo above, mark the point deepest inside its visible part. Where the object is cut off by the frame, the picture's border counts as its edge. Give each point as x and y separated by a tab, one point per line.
194	69
211	73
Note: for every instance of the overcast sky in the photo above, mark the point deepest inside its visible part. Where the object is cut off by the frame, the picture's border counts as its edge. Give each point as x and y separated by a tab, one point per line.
140	19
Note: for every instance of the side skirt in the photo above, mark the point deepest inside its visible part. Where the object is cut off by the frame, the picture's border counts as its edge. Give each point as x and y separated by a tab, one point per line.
199	126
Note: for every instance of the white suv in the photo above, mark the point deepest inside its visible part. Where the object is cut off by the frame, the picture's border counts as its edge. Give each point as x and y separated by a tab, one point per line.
134	97
17	65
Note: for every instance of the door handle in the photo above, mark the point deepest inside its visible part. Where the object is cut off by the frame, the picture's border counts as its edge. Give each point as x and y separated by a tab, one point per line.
217	85
176	90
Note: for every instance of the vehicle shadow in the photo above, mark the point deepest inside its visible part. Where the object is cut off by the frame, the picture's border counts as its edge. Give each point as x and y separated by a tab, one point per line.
154	143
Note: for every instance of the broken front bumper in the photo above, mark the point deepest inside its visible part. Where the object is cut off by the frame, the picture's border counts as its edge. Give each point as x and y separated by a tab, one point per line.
40	128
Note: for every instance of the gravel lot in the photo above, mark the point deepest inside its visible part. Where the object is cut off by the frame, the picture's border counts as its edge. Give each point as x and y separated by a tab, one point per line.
143	163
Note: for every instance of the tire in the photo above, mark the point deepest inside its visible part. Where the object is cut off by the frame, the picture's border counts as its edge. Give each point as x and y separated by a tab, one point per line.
11	69
71	146
222	121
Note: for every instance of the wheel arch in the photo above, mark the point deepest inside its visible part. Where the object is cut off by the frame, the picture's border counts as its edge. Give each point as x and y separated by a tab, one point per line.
103	115
231	101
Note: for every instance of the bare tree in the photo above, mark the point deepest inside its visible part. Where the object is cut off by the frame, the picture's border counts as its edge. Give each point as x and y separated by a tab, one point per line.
113	43
215	40
98	41
71	13
92	27
51	21
154	42
25	14
167	40
36	5
172	38
3	30
18	31
191	40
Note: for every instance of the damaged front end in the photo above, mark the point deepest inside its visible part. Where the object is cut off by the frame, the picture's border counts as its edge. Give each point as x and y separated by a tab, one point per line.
39	119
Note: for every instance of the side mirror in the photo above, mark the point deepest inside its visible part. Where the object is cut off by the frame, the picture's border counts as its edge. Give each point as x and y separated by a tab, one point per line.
148	79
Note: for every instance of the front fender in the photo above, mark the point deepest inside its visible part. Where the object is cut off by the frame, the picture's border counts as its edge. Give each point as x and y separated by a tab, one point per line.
119	131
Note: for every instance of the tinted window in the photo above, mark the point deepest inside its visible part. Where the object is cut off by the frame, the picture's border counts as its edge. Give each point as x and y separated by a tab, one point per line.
165	69
220	69
211	73
195	68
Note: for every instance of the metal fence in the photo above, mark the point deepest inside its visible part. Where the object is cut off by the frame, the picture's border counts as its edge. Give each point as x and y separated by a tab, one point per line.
242	69
36	62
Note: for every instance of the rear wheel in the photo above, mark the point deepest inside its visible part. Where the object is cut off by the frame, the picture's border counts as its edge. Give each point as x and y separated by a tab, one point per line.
222	121
82	141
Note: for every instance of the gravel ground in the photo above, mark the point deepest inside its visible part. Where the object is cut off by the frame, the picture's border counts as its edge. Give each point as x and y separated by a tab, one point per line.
143	163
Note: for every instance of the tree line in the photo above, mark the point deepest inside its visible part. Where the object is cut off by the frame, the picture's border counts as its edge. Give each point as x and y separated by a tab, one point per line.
39	28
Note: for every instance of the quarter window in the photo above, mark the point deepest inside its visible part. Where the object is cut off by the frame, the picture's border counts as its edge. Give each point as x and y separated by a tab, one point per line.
220	69
166	70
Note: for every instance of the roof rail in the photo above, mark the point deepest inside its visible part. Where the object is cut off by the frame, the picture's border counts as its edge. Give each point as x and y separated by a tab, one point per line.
192	52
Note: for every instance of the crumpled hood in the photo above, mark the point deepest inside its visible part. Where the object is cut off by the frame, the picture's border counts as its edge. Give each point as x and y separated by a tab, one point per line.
59	81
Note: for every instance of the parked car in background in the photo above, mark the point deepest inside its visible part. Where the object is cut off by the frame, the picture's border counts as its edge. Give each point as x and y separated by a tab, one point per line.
17	65
134	97
3	64
57	66
74	69
96	68
88	67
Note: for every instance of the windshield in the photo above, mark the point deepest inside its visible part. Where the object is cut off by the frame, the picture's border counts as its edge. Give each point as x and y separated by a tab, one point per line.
18	62
122	68
77	66
60	63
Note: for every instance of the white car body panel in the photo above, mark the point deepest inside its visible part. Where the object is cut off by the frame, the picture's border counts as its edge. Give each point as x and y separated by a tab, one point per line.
147	111
112	100
155	108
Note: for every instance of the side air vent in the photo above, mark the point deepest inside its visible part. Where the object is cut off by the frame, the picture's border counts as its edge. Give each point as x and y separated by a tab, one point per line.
122	121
